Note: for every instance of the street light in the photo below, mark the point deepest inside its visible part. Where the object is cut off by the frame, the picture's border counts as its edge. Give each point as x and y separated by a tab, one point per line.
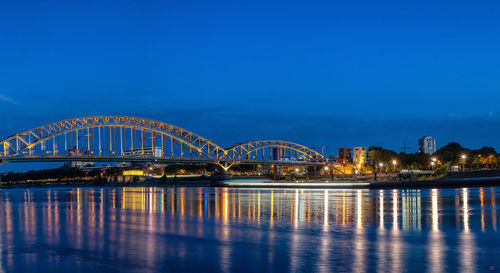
434	159
394	162
464	156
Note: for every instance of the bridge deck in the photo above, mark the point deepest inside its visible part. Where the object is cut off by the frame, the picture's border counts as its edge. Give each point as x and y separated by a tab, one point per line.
151	159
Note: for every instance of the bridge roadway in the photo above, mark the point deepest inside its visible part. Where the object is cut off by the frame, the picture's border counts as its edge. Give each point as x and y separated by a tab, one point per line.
153	159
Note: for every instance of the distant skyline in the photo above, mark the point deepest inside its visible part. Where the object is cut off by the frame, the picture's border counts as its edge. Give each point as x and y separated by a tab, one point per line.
332	73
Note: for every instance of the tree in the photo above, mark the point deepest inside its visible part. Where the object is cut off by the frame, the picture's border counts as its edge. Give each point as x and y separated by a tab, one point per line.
484	157
442	171
450	152
157	171
113	171
244	168
415	161
378	155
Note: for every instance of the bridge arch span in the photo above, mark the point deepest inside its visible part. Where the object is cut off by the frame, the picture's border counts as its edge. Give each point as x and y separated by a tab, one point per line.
111	136
272	150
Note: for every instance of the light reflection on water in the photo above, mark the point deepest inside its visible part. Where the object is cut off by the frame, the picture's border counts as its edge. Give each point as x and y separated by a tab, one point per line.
192	229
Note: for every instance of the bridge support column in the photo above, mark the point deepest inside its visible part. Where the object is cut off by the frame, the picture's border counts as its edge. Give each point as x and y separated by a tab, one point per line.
225	166
275	171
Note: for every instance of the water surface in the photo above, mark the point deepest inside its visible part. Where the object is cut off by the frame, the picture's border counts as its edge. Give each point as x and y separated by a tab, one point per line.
248	230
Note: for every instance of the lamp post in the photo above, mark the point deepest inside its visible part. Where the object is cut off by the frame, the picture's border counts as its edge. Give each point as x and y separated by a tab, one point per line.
394	163
331	171
464	158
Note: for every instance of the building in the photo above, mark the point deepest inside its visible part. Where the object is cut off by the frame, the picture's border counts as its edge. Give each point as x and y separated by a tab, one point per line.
345	155
427	145
359	157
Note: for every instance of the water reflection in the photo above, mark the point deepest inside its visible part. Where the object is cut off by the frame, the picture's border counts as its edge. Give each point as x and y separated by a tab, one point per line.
359	237
142	228
436	247
395	209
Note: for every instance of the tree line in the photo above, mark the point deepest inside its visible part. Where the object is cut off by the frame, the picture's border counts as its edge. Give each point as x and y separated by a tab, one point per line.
72	173
452	154
62	173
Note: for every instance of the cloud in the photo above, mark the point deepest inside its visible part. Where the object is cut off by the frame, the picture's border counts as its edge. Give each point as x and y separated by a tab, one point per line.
7	99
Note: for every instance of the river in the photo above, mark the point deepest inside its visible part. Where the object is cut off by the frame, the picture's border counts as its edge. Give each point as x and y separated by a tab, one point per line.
151	229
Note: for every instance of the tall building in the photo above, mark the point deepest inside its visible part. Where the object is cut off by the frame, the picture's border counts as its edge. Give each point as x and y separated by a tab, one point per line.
345	155
427	145
359	157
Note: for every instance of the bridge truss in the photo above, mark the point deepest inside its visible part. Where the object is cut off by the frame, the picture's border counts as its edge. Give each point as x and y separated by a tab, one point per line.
272	150
129	139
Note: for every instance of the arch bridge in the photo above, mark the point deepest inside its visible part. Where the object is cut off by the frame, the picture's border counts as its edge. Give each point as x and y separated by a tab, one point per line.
272	150
131	139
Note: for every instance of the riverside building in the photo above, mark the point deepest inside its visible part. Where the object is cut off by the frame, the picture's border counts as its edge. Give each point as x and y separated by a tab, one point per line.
359	157
427	145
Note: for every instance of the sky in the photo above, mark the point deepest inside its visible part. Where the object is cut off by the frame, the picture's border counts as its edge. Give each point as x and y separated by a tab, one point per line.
320	73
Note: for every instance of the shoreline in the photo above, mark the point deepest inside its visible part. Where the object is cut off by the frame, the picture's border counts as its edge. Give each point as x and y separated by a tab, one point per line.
241	183
439	183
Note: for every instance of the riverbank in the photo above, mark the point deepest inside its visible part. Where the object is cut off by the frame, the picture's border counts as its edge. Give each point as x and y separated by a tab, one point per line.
254	183
440	183
148	183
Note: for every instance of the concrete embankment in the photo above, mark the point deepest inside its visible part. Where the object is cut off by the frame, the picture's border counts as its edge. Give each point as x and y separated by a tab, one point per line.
442	183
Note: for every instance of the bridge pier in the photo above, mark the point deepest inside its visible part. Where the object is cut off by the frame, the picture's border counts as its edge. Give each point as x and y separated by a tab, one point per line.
225	166
274	170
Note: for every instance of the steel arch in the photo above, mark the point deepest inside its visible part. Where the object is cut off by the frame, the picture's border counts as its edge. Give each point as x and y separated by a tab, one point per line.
242	150
16	144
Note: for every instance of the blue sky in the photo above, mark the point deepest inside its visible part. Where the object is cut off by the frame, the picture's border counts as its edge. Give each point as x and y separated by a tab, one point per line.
334	73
